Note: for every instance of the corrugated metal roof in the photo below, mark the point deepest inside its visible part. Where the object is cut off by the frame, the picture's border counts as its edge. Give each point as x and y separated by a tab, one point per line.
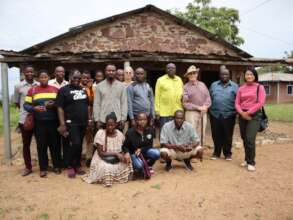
275	77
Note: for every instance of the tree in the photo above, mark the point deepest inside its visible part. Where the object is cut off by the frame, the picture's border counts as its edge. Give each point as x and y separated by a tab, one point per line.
219	21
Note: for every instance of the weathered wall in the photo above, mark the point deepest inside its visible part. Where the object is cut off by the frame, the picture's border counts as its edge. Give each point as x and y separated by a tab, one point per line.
283	96
148	31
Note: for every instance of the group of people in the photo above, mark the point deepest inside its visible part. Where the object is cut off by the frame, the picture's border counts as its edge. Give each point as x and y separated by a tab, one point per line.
116	113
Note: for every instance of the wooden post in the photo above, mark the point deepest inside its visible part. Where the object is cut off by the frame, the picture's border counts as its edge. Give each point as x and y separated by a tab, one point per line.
126	64
278	92
6	113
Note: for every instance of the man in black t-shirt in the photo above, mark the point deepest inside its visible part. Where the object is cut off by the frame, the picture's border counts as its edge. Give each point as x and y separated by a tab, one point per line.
73	113
139	140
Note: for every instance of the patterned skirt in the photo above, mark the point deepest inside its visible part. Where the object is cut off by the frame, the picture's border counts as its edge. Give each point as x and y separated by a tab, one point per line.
107	174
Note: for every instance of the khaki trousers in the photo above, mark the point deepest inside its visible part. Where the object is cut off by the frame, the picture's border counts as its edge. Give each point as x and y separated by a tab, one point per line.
194	117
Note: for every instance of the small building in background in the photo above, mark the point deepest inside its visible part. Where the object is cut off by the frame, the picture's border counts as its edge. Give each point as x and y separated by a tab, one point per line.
278	86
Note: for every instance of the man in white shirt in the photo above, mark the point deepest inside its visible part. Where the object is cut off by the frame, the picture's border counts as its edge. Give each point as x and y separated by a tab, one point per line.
59	80
20	93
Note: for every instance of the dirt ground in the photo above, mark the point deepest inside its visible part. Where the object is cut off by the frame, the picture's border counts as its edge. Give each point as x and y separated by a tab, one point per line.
215	190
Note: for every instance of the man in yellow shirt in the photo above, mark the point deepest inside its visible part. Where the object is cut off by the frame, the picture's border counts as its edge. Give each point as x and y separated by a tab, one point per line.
168	95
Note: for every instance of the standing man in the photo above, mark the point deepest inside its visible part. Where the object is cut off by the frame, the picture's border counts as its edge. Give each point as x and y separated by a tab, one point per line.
168	95
59	80
222	114
99	77
120	75
140	97
73	113
20	93
179	141
196	101
110	96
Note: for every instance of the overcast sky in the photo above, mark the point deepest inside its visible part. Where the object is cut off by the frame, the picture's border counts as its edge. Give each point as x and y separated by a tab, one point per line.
266	26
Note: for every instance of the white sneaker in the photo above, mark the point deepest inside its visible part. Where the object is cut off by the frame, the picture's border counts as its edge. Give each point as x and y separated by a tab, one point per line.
251	167
214	157
243	164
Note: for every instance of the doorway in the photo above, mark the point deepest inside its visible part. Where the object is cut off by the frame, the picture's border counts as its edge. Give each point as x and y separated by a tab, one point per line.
208	77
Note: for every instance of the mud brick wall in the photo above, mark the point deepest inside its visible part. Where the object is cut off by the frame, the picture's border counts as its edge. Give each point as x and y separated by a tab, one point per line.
147	31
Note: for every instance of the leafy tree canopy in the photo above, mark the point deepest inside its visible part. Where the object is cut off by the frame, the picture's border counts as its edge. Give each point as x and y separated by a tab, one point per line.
219	21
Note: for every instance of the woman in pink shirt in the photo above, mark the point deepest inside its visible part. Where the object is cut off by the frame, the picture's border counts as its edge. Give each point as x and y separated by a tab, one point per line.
250	99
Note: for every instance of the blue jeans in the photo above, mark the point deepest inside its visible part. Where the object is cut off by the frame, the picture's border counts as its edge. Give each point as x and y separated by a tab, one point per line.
151	155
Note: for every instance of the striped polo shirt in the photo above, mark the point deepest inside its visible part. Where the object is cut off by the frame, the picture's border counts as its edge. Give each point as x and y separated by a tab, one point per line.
38	96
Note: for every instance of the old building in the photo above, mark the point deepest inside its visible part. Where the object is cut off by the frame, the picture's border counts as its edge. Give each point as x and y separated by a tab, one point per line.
278	86
147	37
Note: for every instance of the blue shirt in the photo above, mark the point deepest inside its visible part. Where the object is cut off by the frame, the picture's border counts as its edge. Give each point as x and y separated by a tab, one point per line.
223	99
140	99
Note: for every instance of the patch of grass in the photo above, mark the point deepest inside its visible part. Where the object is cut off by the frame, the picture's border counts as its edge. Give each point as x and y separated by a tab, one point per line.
3	212
156	186
280	112
43	216
14	116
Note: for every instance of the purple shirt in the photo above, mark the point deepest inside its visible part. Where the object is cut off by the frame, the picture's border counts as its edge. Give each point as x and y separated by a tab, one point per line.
195	95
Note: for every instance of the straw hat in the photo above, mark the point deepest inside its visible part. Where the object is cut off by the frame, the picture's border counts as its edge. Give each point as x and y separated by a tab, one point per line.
191	69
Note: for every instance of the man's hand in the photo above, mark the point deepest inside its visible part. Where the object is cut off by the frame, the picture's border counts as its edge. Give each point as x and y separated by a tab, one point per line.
138	151
63	130
50	104
188	148
180	148
121	125
158	117
39	108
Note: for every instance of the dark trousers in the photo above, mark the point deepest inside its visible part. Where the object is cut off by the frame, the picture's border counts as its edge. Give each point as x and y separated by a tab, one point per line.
74	148
222	134
26	143
47	136
164	120
64	151
248	132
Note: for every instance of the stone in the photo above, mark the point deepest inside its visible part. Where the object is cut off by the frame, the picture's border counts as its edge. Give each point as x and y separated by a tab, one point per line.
114	35
238	144
281	140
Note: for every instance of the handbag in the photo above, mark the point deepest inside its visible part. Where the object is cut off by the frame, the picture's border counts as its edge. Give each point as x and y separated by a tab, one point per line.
29	122
146	169
264	121
111	159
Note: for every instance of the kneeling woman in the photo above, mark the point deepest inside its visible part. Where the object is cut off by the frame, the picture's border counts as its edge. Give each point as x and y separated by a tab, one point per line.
139	143
108	164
